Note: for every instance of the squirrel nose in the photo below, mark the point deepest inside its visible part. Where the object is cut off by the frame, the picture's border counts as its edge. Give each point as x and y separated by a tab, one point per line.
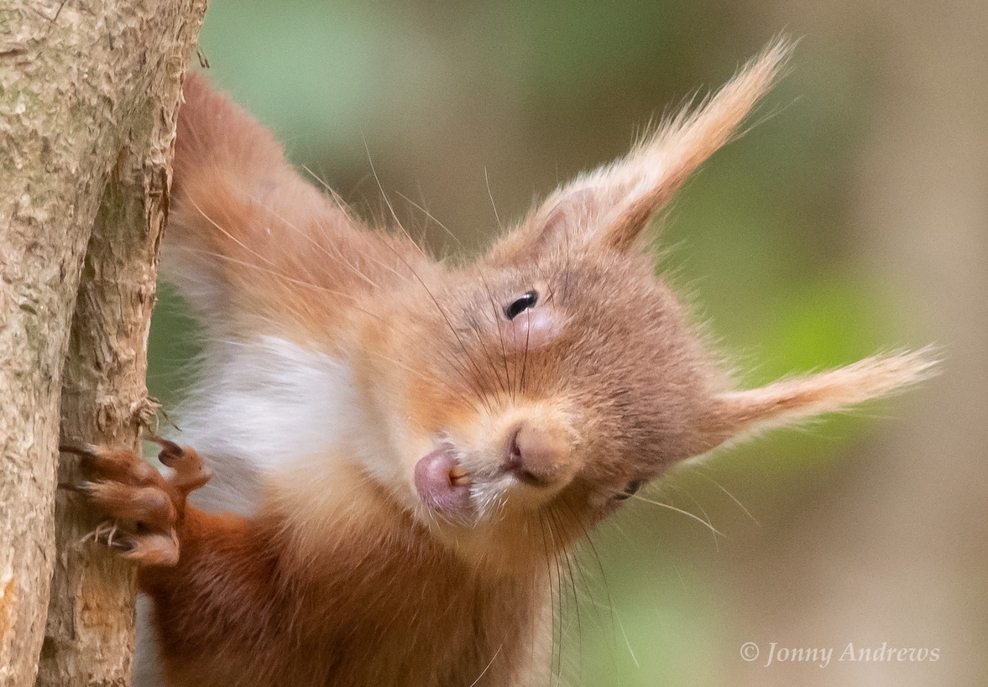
535	455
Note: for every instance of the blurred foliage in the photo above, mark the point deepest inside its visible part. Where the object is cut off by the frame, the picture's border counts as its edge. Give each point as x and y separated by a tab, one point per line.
458	104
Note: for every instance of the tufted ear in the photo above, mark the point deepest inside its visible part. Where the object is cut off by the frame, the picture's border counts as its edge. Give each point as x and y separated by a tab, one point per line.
613	204
742	414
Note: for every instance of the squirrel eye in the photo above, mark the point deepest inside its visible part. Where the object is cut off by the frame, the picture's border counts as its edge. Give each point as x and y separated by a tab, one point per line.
630	490
521	304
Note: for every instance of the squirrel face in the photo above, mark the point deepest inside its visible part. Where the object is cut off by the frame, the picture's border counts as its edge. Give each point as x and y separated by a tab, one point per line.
539	388
548	387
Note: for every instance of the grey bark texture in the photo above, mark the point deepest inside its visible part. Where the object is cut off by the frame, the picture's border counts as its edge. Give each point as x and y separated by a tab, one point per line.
88	95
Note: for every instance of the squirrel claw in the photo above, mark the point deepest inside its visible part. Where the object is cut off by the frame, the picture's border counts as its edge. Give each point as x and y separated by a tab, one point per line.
144	509
85	450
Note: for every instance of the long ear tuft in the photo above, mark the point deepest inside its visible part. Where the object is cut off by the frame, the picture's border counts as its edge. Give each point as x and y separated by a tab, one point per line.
663	162
614	203
740	414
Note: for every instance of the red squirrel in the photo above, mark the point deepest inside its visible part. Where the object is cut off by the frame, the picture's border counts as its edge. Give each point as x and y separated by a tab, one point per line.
404	450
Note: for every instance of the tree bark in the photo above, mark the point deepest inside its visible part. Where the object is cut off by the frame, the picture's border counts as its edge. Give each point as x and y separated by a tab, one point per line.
88	96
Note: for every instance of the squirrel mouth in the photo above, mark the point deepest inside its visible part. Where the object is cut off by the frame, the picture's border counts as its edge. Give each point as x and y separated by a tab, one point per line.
442	483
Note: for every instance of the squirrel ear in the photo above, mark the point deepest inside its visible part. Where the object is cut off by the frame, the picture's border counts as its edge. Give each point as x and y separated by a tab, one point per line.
738	415
614	203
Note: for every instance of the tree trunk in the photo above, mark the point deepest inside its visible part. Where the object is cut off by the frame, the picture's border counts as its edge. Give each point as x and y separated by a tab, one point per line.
88	95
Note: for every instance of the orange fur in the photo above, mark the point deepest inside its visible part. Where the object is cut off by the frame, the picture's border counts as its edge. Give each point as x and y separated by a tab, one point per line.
495	413
241	609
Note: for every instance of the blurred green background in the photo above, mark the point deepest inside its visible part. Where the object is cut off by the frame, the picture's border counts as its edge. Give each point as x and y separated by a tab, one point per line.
800	244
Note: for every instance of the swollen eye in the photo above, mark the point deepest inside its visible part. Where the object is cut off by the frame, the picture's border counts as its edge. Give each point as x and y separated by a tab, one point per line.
630	490
521	304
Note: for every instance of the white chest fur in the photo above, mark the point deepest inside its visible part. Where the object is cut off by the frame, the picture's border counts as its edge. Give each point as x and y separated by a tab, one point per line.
260	406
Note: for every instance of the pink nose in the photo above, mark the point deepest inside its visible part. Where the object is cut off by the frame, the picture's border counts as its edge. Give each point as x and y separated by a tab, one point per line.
535	455
438	479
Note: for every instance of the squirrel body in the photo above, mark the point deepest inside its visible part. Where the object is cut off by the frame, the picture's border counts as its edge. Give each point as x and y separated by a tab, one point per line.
407	450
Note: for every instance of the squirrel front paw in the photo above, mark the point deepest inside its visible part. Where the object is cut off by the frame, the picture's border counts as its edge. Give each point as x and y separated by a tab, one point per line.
144	509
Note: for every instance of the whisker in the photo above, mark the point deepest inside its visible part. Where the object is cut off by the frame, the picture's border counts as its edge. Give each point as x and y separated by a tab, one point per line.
324	250
627	643
428	214
588	540
421	375
343	207
428	291
457	366
490	195
730	495
702	510
488	666
555	575
693	516
500	336
274	273
554	516
453	329
329	189
229	235
387	200
336	254
560	598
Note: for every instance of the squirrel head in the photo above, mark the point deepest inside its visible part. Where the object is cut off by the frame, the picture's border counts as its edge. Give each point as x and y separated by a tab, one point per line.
546	383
